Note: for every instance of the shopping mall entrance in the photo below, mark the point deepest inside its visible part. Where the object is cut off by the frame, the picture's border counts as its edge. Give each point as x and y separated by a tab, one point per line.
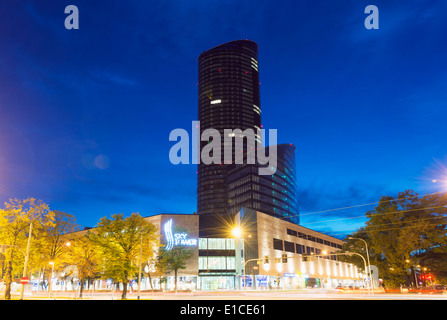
210	283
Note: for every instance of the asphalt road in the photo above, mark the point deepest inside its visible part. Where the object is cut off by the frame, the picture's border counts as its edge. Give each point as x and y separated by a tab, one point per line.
312	294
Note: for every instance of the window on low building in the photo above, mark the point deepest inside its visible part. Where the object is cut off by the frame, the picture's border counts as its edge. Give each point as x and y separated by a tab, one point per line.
278	244
289	246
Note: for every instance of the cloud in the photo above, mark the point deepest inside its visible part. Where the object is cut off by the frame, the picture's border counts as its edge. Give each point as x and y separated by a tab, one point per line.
113	77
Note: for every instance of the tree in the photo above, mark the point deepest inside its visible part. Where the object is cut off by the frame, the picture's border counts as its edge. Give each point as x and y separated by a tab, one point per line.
402	233
52	243
403	229
17	219
174	259
119	239
434	258
85	254
162	267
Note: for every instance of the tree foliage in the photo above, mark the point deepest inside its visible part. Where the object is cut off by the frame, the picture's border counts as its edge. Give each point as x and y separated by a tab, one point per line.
403	233
51	245
85	255
174	259
120	241
15	220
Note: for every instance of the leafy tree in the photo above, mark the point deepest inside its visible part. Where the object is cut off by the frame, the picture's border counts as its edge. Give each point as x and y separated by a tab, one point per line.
17	219
434	258
162	267
85	254
403	233
52	243
119	239
174	259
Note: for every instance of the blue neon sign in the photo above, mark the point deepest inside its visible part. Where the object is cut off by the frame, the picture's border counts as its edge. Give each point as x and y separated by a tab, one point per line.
176	239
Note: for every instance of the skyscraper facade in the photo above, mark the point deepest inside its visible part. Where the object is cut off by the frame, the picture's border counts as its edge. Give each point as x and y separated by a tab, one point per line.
228	98
275	194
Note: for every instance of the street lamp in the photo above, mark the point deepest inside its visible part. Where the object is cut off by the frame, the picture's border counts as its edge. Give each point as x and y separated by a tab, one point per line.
50	282
367	255
25	264
139	267
237	233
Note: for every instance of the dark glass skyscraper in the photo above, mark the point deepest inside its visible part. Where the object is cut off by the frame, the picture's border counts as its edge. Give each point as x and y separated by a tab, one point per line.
228	98
275	194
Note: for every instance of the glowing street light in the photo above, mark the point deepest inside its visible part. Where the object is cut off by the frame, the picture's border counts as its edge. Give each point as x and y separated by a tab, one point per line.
236	232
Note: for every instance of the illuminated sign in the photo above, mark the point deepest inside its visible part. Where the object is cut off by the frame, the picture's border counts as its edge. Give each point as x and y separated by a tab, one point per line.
289	275
176	239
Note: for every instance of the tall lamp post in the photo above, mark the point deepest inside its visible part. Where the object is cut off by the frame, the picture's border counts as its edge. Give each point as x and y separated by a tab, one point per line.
139	268
50	282
367	256
25	266
237	234
237	238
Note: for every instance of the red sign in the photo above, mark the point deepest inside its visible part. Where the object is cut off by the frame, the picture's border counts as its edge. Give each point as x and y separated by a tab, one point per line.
24	280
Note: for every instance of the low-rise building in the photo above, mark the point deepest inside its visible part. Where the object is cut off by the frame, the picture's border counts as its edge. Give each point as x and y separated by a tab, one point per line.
281	254
270	253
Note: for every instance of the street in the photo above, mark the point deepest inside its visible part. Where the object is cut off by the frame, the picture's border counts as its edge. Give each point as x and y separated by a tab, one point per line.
311	294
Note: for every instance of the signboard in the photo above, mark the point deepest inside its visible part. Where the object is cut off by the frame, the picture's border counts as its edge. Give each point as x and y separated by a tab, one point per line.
24	280
176	239
247	282
262	280
289	275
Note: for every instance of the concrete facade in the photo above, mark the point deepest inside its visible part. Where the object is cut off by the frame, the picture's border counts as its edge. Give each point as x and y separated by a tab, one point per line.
185	224
291	254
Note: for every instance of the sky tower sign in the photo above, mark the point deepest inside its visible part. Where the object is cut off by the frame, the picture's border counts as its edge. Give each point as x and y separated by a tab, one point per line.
176	239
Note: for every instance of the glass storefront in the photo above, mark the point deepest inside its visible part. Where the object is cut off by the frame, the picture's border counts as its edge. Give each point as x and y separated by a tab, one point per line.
218	282
217	264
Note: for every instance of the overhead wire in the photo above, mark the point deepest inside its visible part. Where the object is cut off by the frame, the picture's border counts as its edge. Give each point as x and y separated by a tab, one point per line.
367	204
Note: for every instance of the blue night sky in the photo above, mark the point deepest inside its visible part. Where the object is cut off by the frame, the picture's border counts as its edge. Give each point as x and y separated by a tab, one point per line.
85	115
